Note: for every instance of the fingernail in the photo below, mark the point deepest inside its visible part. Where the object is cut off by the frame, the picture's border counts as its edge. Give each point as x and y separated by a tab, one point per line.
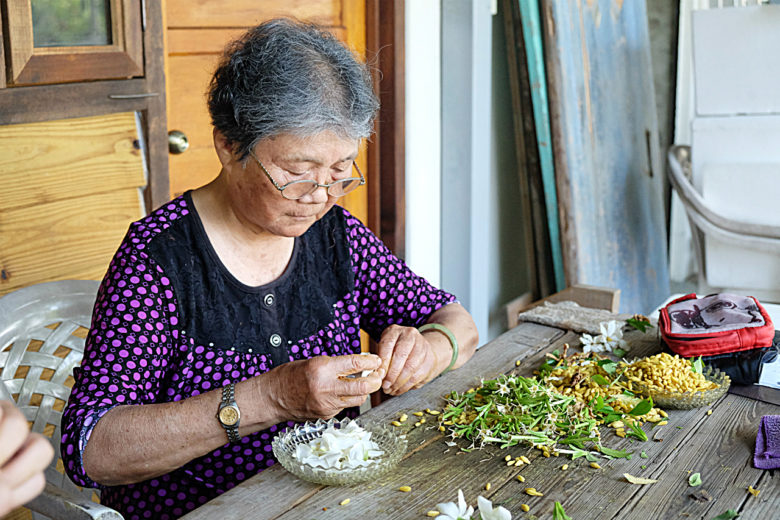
386	385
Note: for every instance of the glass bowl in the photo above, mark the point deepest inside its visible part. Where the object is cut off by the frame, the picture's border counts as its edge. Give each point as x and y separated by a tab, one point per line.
284	445
689	400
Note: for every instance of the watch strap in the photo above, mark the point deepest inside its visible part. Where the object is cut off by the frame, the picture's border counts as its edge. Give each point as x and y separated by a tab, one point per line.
229	399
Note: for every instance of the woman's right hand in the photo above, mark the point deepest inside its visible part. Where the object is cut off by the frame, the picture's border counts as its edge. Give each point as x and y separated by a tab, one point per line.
318	388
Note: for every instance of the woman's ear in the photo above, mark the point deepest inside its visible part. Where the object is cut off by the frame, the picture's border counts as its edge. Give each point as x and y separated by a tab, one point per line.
223	147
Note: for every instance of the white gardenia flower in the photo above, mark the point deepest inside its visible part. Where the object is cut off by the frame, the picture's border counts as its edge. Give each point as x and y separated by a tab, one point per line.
591	344
347	447
612	334
450	511
503	388
487	512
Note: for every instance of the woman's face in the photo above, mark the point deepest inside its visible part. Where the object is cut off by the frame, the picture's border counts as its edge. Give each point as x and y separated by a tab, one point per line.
261	207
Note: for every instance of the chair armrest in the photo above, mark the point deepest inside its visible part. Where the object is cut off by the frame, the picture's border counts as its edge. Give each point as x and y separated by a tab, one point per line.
679	162
59	505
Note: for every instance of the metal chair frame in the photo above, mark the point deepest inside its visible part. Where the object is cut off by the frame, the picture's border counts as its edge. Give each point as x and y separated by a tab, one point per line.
706	221
38	352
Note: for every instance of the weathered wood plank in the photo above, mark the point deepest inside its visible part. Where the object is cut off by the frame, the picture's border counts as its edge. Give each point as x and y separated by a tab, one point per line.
65	239
608	166
720	448
70	158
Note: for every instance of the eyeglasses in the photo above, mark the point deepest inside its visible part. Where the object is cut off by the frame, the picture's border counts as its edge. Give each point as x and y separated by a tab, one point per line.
297	189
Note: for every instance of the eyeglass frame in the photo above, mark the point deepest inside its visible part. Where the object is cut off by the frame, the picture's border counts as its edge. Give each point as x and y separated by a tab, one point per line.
312	181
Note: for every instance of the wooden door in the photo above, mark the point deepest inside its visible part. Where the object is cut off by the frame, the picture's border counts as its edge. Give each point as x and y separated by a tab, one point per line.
196	34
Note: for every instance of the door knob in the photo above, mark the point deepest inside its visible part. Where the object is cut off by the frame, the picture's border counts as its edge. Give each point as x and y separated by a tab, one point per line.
177	142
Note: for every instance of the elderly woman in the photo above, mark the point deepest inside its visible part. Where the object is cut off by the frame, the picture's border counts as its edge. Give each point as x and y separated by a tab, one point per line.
236	309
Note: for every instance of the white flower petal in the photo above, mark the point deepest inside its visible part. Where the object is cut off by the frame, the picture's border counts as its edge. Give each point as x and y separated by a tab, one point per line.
448	509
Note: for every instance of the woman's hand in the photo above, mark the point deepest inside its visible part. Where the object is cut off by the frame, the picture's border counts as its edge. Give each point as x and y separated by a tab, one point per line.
23	457
319	388
412	359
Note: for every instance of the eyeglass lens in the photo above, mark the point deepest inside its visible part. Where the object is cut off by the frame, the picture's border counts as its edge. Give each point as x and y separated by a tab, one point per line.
297	189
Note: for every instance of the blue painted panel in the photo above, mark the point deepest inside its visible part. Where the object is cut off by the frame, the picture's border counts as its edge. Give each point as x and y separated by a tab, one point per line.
608	166
532	36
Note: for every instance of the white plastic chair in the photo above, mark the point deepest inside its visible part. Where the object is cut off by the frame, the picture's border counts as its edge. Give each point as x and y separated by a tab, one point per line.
707	221
42	330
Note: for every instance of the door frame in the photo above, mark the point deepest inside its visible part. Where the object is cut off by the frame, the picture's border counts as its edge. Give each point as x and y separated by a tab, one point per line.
386	151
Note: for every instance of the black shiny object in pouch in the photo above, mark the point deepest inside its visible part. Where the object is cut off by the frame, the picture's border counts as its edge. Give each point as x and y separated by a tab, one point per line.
744	367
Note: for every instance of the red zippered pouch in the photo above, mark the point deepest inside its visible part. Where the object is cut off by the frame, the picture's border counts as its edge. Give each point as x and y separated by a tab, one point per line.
715	324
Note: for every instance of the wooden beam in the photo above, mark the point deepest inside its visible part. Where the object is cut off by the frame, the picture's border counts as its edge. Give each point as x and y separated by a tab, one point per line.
386	152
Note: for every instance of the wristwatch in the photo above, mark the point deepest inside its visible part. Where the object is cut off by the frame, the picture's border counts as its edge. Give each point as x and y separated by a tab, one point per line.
229	415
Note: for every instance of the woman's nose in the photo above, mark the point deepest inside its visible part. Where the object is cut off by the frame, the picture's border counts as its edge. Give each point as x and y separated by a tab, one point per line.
318	196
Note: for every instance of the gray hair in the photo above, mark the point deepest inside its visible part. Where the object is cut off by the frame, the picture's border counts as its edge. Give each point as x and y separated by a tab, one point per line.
289	77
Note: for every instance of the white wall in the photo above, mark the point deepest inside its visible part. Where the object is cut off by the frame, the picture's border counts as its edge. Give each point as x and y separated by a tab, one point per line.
478	221
466	28
423	138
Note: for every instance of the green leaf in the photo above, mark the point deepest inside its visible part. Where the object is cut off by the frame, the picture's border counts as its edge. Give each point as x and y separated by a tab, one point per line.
637	431
628	393
617	454
643	455
694	480
600	380
609	366
728	515
582	453
642	407
619	352
697	365
639	325
559	513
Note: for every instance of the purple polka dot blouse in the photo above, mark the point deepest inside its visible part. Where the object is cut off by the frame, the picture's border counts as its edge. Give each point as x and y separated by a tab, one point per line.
170	322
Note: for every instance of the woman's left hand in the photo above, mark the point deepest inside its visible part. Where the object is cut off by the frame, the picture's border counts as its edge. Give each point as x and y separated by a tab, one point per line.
410	358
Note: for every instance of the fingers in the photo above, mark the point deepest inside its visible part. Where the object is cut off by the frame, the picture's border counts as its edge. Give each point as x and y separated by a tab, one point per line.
32	458
13	430
400	342
355	363
24	457
320	387
11	498
386	344
360	386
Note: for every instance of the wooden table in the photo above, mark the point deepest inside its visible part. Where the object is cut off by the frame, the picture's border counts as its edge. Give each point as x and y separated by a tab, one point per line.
719	446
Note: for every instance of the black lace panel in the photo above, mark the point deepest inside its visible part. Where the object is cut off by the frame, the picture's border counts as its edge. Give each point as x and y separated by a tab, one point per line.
220	312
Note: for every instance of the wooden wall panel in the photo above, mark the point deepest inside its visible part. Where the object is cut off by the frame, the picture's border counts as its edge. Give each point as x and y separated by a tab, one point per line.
71	188
244	13
66	239
68	157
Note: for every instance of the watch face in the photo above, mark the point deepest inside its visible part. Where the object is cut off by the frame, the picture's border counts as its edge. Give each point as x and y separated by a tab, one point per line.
229	415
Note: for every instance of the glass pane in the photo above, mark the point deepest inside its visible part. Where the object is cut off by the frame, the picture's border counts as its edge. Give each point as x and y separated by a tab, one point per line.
67	23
